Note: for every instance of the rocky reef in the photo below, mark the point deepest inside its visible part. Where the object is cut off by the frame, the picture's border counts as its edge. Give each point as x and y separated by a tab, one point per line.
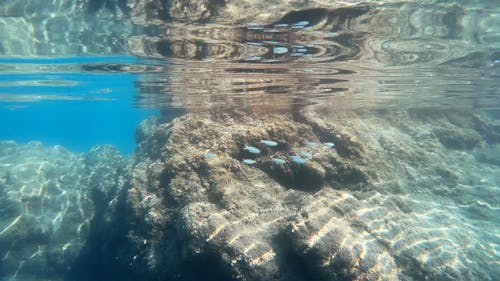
388	202
393	199
342	193
51	203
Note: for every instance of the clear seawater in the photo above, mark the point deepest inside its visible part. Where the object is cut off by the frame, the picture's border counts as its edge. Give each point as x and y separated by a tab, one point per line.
55	101
78	74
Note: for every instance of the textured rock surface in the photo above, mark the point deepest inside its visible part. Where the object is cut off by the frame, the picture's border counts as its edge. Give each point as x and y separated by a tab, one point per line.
386	203
49	202
391	201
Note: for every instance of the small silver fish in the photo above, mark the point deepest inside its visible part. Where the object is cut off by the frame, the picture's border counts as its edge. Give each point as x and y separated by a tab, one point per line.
251	149
329	144
253	25
249	161
254	43
298	159
306	154
310	144
254	58
302	22
278	161
210	155
269	143
280	50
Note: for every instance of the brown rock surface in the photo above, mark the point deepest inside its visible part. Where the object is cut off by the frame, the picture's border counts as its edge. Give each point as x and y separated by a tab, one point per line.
359	211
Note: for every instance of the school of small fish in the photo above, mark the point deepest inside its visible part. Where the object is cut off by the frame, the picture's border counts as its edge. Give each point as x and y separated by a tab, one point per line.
299	159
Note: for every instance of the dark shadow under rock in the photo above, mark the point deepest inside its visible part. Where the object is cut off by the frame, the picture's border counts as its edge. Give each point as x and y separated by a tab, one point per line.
208	266
307	177
107	254
293	264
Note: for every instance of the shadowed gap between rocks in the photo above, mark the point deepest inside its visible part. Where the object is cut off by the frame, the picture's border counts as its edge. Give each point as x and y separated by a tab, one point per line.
298	264
104	255
207	266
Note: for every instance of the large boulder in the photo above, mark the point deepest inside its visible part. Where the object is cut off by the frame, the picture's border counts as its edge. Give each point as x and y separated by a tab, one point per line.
387	202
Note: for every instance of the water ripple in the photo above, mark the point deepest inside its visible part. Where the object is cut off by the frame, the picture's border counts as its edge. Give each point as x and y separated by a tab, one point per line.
388	54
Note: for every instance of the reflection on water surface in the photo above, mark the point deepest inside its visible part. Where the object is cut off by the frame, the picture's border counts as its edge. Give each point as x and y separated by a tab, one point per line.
374	54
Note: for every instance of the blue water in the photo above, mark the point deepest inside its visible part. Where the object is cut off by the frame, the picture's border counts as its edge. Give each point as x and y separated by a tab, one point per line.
75	109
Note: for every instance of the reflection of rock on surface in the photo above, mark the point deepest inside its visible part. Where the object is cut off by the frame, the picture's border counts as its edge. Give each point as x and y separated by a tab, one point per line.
233	11
254	88
64	28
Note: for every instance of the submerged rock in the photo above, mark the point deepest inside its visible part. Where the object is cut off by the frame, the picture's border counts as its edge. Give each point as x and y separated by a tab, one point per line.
376	207
51	201
46	210
224	208
340	215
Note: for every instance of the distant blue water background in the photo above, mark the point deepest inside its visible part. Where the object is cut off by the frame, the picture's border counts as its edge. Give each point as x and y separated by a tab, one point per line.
69	107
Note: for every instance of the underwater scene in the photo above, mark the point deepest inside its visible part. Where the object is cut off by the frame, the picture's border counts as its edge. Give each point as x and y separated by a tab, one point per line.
249	140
